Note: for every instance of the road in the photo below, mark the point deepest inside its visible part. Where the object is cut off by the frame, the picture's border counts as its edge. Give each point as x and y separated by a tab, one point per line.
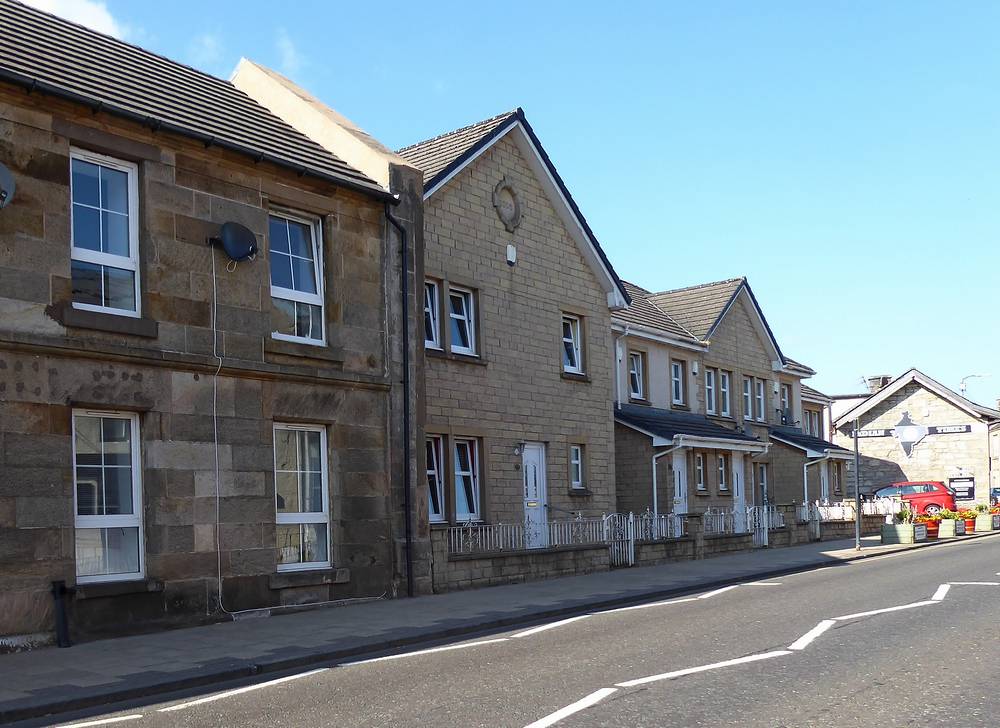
800	650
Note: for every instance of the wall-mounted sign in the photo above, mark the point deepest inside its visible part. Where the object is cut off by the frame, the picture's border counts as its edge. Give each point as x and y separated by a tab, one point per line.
908	433
965	488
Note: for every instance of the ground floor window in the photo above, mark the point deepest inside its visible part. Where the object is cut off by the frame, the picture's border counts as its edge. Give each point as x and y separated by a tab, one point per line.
302	498
699	472
576	467
466	464
723	472
762	481
435	478
107	496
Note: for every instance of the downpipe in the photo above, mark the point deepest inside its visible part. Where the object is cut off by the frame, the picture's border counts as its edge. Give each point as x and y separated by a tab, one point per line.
59	593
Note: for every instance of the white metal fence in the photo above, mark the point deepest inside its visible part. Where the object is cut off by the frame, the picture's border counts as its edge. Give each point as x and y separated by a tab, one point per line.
846	511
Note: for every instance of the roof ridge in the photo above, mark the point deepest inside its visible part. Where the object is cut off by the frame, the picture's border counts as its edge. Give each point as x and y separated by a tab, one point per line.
141	49
460	129
741	279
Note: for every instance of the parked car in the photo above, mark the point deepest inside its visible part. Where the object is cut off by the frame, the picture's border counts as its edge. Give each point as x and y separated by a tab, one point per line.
930	497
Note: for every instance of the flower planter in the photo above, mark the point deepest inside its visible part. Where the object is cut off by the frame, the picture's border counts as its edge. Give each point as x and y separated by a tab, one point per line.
988	522
970	525
933	528
950	527
903	533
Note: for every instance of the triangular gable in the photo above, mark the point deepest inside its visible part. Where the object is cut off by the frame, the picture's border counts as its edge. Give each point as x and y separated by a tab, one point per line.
447	155
918	377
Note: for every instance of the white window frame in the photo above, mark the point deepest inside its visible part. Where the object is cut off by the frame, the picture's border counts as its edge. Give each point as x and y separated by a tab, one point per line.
786	398
710	391
574	341
760	398
748	398
762	479
469	299
432	310
724	396
291	519
436	471
473	445
723	474
635	366
677	388
699	472
130	520
288	294
85	255
576	467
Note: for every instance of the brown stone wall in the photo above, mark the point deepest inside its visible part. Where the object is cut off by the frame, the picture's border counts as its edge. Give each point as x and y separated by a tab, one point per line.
515	390
53	358
936	457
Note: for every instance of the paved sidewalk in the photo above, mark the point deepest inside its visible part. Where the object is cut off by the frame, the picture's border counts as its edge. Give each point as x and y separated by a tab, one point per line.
51	680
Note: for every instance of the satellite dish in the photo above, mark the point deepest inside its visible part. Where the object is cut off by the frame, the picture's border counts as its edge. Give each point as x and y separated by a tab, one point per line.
6	186
238	241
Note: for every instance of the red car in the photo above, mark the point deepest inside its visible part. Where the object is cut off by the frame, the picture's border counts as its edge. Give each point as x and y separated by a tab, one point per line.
930	497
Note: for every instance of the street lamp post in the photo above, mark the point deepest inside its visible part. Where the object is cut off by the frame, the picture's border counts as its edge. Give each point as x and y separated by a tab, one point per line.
857	490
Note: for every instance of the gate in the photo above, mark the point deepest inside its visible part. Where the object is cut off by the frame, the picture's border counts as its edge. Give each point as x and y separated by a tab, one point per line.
619	532
760	521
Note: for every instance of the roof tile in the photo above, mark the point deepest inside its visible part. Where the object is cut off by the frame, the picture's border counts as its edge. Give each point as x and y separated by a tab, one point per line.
697	308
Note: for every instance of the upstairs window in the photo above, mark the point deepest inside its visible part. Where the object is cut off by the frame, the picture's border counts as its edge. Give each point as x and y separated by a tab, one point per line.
678	393
724	404
432	316
104	234
435	478
461	312
786	403
296	278
761	414
710	391
572	351
747	398
636	377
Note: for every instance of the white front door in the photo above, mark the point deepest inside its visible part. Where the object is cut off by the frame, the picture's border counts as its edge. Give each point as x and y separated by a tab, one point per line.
824	482
680	481
536	532
739	492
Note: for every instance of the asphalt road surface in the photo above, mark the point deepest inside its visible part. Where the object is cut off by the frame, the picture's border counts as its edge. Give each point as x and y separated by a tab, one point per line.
800	650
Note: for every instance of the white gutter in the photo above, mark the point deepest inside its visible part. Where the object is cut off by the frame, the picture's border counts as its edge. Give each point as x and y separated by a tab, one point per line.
678	444
658	335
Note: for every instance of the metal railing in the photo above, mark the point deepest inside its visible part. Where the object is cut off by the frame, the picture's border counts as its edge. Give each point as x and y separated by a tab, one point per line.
658	526
717	521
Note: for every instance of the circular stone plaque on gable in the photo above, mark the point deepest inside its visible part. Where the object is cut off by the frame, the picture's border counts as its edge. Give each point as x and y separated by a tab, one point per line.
507	205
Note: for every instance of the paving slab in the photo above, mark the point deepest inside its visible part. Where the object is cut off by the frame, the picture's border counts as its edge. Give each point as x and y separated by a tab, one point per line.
51	680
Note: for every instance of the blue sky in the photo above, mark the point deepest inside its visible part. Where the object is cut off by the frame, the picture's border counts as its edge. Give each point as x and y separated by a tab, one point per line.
841	155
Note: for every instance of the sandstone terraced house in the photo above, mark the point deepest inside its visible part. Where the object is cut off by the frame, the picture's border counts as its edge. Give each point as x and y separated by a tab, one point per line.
518	298
183	434
709	412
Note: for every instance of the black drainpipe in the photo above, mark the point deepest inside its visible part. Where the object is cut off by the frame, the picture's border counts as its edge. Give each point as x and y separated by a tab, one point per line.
407	503
59	594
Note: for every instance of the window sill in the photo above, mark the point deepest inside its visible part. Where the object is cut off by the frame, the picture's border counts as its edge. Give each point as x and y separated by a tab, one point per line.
643	402
117	588
304	351
451	356
680	406
702	493
78	318
575	376
580	492
309	577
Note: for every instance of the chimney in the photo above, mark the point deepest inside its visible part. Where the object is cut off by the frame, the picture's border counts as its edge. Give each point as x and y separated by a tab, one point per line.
877	382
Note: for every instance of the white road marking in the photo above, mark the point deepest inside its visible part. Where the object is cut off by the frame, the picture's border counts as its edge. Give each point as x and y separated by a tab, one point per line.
240	691
593	699
646	606
712	593
551	625
428	651
941	593
802	642
703	668
763	583
103	721
883	611
975	583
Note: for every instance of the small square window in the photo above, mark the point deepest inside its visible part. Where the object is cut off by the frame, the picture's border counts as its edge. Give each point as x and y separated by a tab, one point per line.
462	314
572	354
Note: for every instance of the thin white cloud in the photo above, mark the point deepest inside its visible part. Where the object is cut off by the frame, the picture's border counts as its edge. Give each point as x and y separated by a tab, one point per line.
205	52
291	60
92	13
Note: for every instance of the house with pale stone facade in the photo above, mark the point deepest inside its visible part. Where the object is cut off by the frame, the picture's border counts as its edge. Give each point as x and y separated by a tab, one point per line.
913	428
518	297
709	412
187	433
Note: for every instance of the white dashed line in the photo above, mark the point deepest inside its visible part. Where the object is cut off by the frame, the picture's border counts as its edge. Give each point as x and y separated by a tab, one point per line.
551	625
428	651
941	593
712	593
240	691
593	699
647	606
103	721
975	583
883	611
702	668
802	642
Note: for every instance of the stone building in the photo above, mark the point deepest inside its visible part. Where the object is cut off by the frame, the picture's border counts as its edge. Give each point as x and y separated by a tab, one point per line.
702	386
182	435
914	428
